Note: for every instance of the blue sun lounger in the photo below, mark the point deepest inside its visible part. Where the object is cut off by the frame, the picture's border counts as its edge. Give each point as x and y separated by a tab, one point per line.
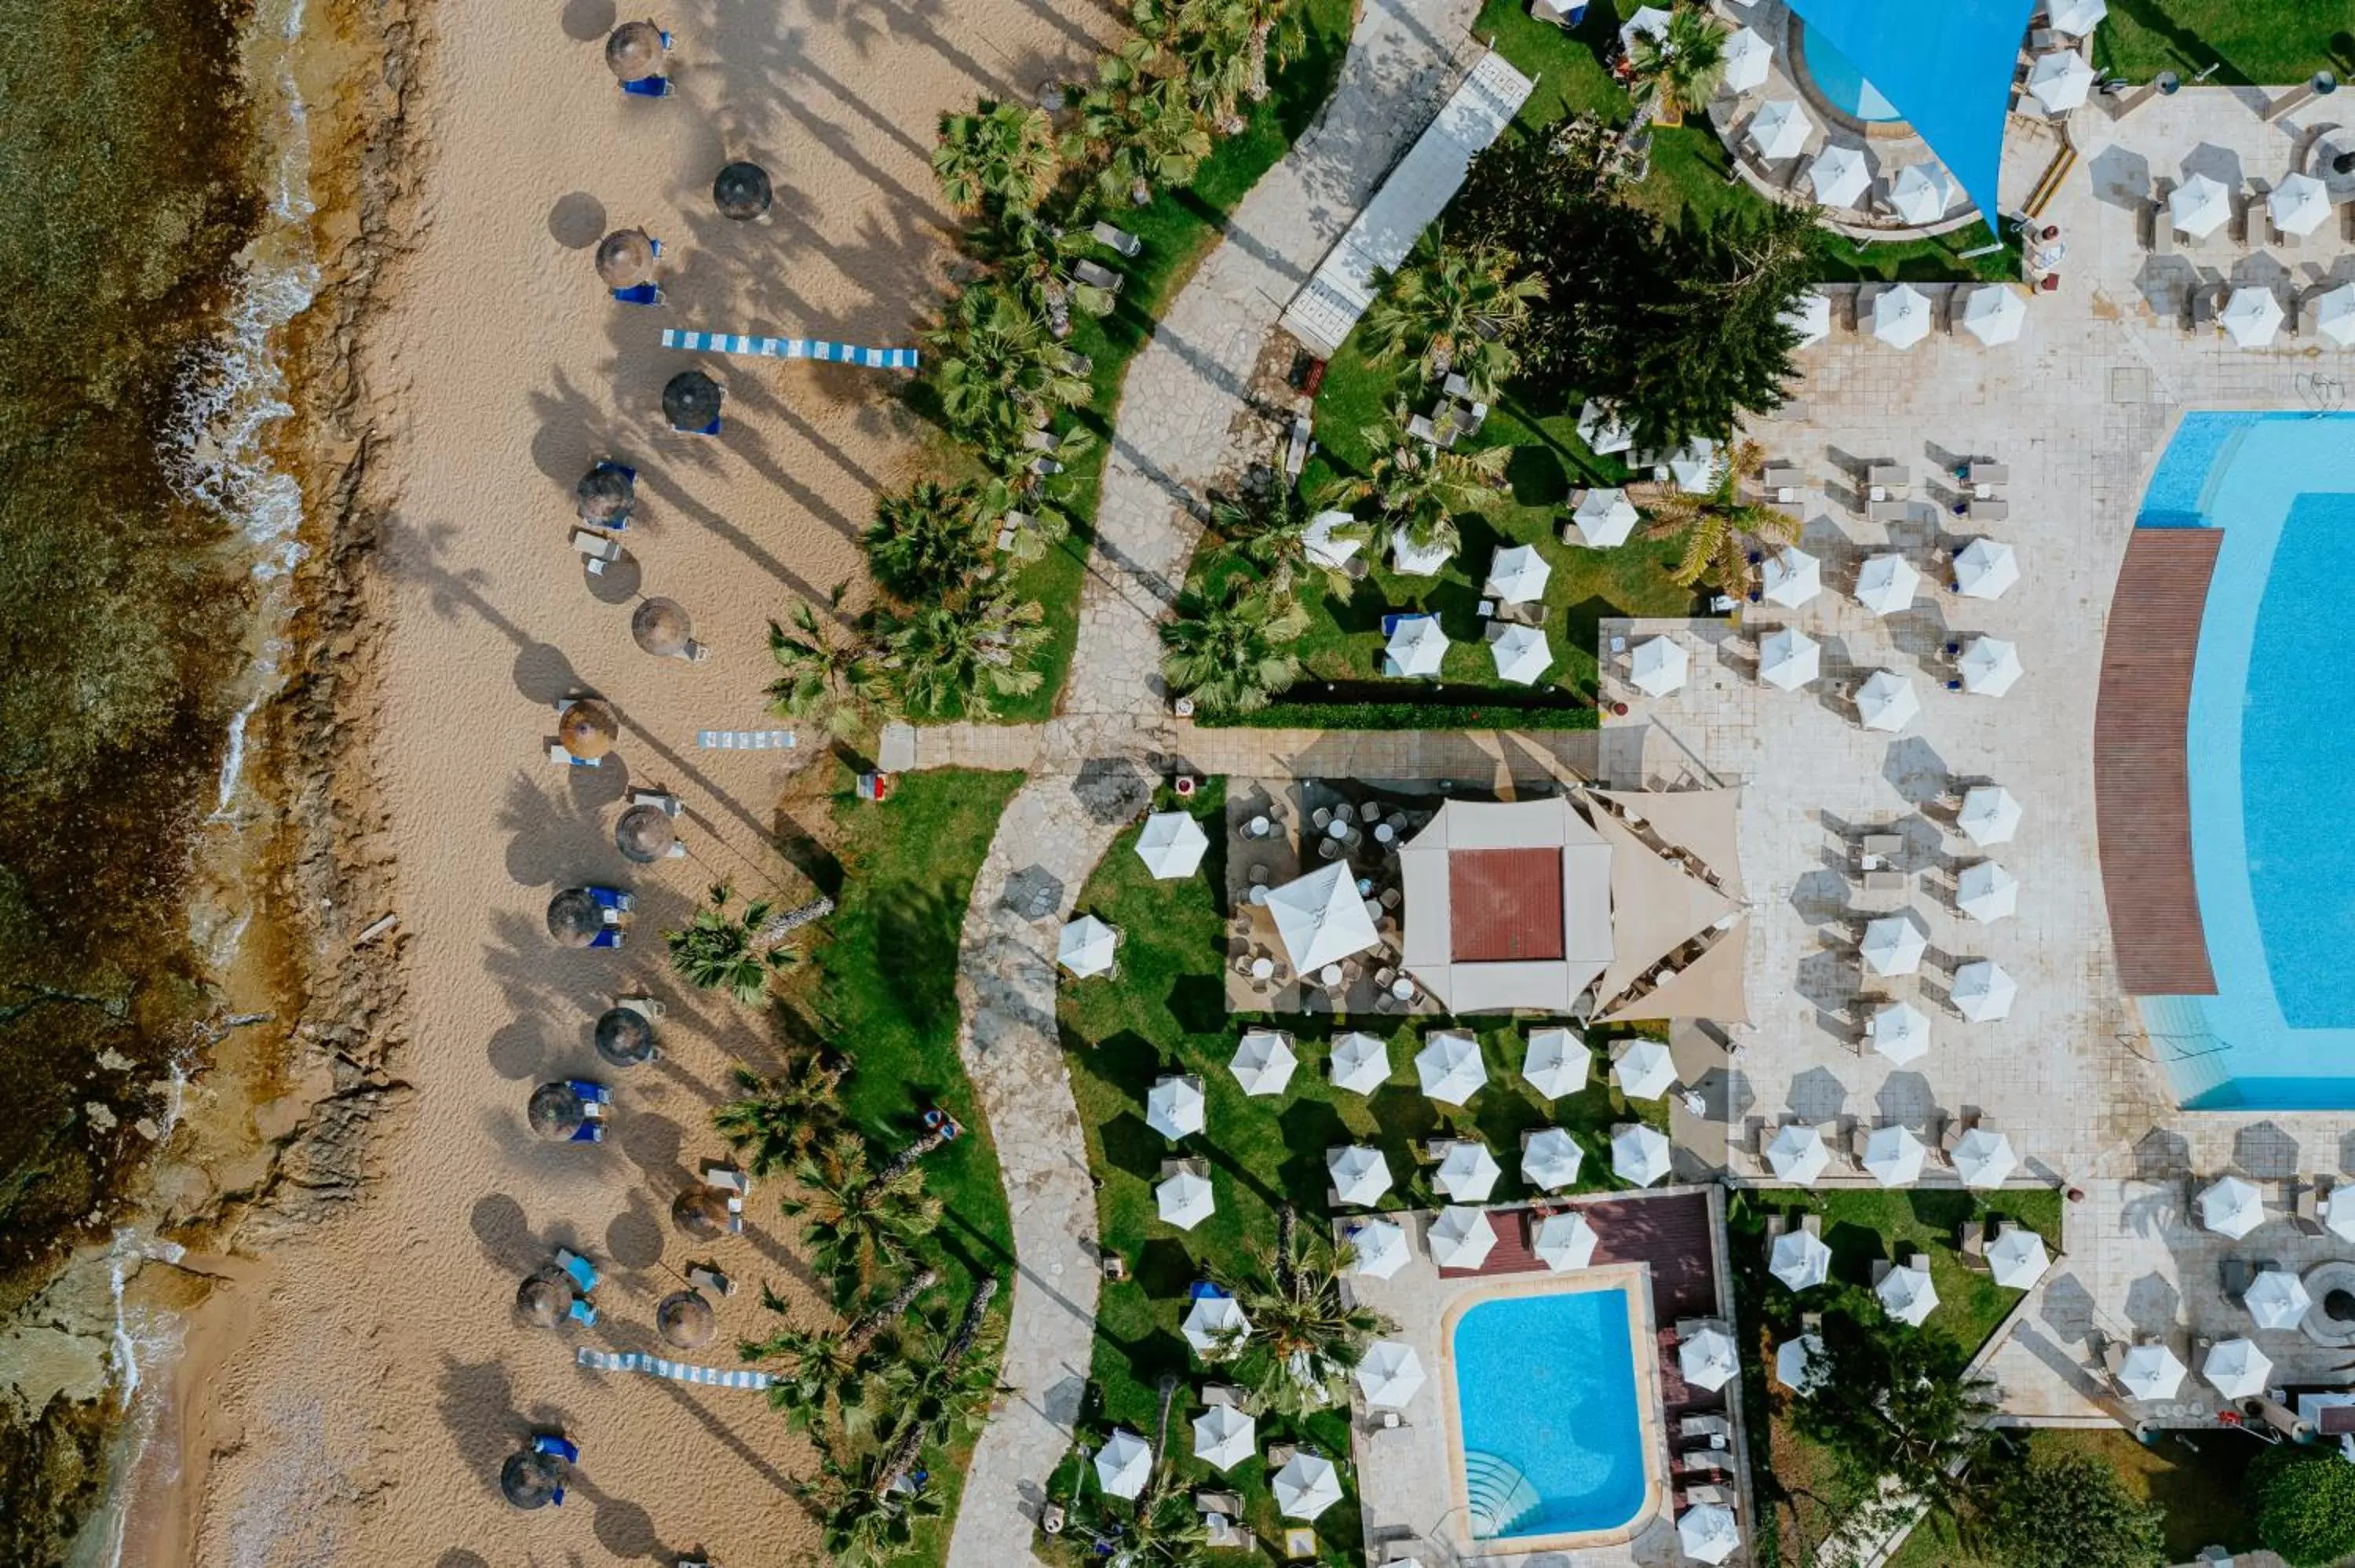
584	1273
638	294
556	1444
656	86
790	348
611	937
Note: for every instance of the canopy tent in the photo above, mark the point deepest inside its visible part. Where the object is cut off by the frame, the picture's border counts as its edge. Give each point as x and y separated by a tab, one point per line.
1559	1063
1564	1242
1789	659
1264	1061
1321	919
1709	987
1704	823
1894	944
1603	518
1551	1159
1985	569
1380	1246
1639	1154
1389	1374
1449	1066
1224	1437
1887	584
1085	946
1460	1238
1839	175
1790	577
2016	1258
1507	905
1360	1063
1901	1031
1172	1108
1798	1154
1800	1260
1172	845
1644	1070
1468	1174
1656	908
1985	892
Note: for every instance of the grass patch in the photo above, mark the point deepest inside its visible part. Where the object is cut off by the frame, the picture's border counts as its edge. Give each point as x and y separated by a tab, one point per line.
2266	43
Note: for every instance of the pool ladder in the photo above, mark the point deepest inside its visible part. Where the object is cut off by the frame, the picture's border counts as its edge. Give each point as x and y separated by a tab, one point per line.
1499	1495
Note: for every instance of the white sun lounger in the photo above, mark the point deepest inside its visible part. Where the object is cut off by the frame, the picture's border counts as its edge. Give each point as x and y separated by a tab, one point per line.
790	348
744	739
601	550
677	1371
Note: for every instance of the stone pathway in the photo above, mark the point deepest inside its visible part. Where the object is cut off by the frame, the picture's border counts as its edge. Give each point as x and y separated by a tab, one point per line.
1091	770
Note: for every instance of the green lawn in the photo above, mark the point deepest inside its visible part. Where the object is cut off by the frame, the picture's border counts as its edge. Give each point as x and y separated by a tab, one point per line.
2269	42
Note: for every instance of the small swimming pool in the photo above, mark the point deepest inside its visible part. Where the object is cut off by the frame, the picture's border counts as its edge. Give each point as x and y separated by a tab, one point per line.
1841	83
1550	1429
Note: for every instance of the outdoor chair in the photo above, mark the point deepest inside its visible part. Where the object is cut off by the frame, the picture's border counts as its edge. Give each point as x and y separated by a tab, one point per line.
1986	511
2304	1206
1892	478
1097	276
1859	1135
1228	1503
584	1275
1688	1497
1884	881
1221	1393
1716	1428
704	1276
1813	1224
1702	1462
2234	1274
1329	849
597	551
1973	1245
1890	511
1322	818
1118	239
1774	1224
1369	812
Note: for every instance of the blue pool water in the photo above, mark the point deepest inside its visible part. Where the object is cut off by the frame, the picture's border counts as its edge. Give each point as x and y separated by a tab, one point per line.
2272	760
1545	1396
1842	84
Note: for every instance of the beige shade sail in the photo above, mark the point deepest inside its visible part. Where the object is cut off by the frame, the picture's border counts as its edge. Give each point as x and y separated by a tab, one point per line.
1709	987
1706	822
1656	908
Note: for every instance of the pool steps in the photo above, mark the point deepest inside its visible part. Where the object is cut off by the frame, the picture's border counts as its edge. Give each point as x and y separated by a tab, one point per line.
1499	1495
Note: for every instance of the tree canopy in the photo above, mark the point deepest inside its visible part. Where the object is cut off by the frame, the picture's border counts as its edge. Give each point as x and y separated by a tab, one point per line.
2068	1510
2304	1505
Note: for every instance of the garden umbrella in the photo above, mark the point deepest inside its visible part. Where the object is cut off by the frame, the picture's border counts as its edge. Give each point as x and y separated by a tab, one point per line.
661	626
1564	1242
1800	1260
1693	466
2298	205
1183	1200
1985	568
1982	991
2016	1258
1468	1174
691	401
1460	1238
1123	1464
1886	701
2277	1298
2150	1371
607	491
1744	61
1327	545
2230	1207
1085	946
1886	584
2251	316
1907	1295
531	1479
702	1213
1639	1155
1224	1437
1900	1032
1984	1158
1989	815
2078	17
644	834
2198	206
1604	517
2334	315
1658	667
1798	1363
2060	80
1985	892
1360	1175
1810	317
626	1036
2236	1369
1215	1324
1521	654
1708	1533
1307	1486
1360	1063
1780	130
1789	659
574	918
1790	577
625	259
1321	918
1994	315
1551	1159
1389	1374
634	49
1518	575
741	191
1600	426
1893	945
1172	845
1172	1108
1900	317
555	1111
684	1319
1840	174
1449	1066
1920	194
1645	1071
1410	559
1416	649
1650	21
1892	1156
1380	1247
1559	1063
1707	1361
545	1299
1798	1154
587	728
1263	1062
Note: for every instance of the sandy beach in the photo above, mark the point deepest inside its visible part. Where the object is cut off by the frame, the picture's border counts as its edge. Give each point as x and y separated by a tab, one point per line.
374	1378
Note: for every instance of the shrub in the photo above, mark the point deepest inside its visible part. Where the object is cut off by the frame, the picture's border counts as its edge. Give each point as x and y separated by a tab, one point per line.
2069	1510
2304	1506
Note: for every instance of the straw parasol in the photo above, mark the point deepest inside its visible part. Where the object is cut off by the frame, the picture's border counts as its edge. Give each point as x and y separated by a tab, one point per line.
634	49
531	1479
691	401
556	1112
742	191
606	492
545	1299
661	626
588	728
701	1213
685	1319
645	834
626	1036
573	917
625	259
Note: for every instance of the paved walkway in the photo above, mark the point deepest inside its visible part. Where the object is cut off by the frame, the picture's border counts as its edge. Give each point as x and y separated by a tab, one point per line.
1498	756
1091	769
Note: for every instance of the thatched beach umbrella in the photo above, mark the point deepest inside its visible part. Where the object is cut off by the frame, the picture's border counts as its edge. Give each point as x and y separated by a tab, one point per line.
645	834
625	259
691	401
701	1213
573	917
605	494
742	191
662	629
626	1036
556	1111
531	1480
633	50
685	1319
588	729
545	1299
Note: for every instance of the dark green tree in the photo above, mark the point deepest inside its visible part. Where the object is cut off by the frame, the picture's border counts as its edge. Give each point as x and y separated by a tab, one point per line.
926	542
2067	1511
1893	1404
2304	1505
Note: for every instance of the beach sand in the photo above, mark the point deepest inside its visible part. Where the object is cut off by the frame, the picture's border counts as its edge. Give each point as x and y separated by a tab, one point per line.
375	1377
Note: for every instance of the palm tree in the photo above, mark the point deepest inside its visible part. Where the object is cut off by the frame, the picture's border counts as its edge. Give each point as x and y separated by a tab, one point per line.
1266	527
1233	652
1001	375
823	1378
1678	70
1269	28
1304	1340
1720	527
1197	48
778	1118
1002	153
926	542
863	1331
1152	136
1041	525
932	1395
854	1225
1416	486
962	657
1450	308
826	676
718	949
865	1521
949	1364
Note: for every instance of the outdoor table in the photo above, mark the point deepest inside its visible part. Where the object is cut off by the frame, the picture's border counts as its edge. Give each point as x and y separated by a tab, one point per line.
1338	828
1330	974
1402	989
1259	894
1373	908
1263	968
1257	827
1384	833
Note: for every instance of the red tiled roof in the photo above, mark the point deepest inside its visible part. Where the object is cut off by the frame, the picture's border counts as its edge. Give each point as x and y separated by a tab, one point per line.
1504	906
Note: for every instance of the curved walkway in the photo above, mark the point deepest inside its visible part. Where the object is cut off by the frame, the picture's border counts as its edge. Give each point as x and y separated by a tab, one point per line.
1092	769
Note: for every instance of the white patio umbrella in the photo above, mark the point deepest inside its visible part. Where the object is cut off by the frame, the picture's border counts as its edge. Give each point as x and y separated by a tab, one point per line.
1887	584
1332	540
1518	575
1983	1159
1307	1486
1085	946
1810	317
1224	1437
1708	1533
2198	206
1707	1359
2250	317
2078	17
1920	193
1262	1062
1800	1260
1559	1063
1380	1248
1840	174
1321	918
2016	1258
1416	649
1650	21
1550	1159
2230	1207
1468	1174
1644	1070
1780	130
1564	1242
1172	1108
1986	892
1798	1364
1693	466
1410	559
1603	518
1745	61
1892	1156
1389	1374
2060	80
1907	1295
1658	667
2277	1298
2236	1369
1360	1063
1995	314
1789	659
1184	1201
1989	815
1982	991
2298	205
1600	426
1461	1237
1990	666
1123	1464
1798	1154
1893	945
1521	654
2338	1213
1215	1326
1360	1175
1886	701
1449	1066
1900	1032
1172	845
1900	317
1790	577
1985	569
2150	1371
2334	315
1639	1155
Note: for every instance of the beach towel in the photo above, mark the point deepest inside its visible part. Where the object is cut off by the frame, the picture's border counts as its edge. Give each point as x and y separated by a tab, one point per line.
791	348
679	1372
744	739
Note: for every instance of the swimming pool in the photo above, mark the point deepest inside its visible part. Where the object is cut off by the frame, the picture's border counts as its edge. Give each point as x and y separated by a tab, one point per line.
1841	83
2271	759
1550	1426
